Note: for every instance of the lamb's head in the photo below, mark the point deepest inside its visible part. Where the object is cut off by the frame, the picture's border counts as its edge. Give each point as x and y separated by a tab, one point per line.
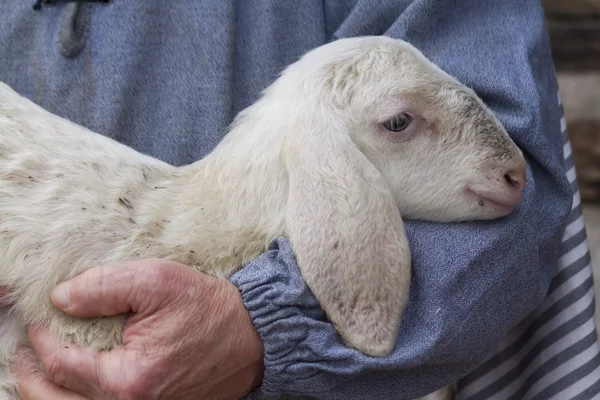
440	149
443	153
370	131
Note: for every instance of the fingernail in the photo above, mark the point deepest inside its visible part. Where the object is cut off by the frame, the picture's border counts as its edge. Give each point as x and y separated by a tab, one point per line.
60	296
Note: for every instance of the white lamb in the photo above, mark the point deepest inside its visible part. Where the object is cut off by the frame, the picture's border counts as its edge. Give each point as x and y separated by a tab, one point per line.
356	134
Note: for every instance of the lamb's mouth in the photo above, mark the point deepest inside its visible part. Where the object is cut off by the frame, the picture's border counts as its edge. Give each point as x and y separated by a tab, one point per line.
505	202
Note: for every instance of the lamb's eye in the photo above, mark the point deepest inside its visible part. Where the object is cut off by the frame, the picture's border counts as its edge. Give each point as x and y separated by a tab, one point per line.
399	123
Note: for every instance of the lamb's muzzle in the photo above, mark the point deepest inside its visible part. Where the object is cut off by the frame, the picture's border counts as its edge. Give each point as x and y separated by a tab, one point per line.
503	185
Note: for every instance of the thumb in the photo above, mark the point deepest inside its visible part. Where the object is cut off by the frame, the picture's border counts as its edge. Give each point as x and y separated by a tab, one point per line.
140	286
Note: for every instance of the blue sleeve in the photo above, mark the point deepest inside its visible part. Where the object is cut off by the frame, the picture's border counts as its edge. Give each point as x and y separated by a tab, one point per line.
472	282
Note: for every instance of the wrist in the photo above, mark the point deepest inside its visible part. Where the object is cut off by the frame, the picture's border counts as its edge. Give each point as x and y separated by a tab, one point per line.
254	347
250	345
257	373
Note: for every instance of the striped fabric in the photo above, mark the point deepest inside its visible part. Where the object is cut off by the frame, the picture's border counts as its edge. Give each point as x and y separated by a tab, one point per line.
554	354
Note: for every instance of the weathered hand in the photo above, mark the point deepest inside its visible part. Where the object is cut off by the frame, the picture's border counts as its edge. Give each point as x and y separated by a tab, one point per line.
190	337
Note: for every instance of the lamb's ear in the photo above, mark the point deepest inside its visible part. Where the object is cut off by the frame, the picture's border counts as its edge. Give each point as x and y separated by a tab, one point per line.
348	238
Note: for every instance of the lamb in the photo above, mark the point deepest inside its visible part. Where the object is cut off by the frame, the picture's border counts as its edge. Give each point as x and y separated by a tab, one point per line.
353	137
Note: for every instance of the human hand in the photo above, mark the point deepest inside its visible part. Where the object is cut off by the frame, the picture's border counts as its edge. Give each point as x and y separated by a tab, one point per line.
190	337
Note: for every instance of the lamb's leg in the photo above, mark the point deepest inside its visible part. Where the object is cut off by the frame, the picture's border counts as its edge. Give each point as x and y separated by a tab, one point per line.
32	304
96	333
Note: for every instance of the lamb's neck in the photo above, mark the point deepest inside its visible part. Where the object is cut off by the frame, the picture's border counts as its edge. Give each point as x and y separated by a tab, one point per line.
229	205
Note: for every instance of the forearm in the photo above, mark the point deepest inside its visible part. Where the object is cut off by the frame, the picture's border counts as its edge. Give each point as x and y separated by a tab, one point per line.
472	282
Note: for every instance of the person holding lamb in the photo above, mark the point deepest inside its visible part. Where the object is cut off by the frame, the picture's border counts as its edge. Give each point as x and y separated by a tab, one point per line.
167	79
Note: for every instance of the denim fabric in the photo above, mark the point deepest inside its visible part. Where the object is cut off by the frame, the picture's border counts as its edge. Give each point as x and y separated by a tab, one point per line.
167	78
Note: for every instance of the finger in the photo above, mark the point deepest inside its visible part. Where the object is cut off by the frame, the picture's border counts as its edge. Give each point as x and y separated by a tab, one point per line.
117	289
33	384
80	370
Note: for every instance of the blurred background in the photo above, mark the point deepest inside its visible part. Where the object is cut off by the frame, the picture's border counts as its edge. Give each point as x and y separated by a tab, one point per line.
574	27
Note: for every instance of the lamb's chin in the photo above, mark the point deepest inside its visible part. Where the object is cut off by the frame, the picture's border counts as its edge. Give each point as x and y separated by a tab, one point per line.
491	205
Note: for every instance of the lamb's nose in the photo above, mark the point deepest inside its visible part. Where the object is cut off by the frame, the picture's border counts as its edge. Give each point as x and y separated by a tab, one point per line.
516	178
503	184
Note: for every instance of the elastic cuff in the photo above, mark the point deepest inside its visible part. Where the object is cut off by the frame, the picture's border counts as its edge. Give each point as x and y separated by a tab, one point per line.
284	311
